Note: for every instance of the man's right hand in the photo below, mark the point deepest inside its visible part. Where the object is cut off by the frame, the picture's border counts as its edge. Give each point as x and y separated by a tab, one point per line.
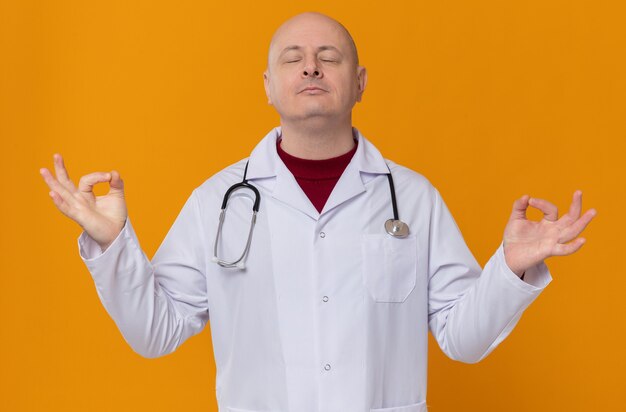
102	217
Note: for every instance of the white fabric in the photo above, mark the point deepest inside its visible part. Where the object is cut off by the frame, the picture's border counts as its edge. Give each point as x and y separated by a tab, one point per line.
332	322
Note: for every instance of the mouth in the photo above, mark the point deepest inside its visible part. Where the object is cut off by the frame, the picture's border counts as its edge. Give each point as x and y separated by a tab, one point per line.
312	90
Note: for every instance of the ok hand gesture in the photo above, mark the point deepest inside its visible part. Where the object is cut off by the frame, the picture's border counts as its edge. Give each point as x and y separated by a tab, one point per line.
102	217
527	242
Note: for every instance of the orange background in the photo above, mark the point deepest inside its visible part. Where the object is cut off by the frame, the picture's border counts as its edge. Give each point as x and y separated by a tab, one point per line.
488	99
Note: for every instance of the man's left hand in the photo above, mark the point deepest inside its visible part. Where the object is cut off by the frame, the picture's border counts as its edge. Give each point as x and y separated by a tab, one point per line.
527	242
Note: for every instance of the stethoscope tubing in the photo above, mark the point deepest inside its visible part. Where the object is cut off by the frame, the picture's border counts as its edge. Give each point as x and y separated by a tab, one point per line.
394	227
255	208
392	190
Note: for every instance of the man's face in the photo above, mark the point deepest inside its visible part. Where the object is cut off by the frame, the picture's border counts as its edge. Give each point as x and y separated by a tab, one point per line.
312	70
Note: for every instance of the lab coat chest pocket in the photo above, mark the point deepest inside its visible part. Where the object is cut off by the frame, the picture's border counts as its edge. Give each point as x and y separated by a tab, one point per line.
389	266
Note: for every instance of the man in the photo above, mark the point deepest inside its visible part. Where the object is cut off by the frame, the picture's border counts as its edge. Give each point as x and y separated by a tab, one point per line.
327	310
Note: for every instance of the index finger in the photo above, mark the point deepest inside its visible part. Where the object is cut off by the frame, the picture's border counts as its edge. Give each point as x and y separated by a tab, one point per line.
550	211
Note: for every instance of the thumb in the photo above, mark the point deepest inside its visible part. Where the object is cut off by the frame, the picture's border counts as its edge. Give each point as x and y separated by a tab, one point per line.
519	208
117	184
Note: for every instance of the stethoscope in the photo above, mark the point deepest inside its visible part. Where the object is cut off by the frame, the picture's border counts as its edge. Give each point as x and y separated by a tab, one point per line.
395	227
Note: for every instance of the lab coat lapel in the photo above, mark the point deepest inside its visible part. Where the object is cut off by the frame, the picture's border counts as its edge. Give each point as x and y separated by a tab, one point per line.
266	169
366	163
348	186
287	190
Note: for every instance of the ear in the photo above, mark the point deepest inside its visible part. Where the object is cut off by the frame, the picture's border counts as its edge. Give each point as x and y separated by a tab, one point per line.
266	84
361	76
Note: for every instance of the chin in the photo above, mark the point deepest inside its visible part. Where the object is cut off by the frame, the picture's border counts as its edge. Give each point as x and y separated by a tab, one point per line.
313	111
312	116
306	112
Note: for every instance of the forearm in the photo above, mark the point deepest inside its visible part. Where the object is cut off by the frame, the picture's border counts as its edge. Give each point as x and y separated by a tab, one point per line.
125	282
486	314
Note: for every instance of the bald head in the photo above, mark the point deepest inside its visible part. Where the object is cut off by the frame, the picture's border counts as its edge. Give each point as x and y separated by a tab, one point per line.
310	23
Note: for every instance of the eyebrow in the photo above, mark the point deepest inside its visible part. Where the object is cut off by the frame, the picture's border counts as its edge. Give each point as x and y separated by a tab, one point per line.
321	48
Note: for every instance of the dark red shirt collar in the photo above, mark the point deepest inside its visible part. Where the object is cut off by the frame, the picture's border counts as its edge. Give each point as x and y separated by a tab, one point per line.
316	169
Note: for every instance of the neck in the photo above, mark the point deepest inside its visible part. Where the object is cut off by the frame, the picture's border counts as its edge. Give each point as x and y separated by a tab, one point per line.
316	141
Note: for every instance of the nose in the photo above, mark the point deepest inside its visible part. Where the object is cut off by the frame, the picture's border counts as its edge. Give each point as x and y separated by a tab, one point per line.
311	70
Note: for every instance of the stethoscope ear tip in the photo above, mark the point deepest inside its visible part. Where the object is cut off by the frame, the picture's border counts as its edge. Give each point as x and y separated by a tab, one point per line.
241	265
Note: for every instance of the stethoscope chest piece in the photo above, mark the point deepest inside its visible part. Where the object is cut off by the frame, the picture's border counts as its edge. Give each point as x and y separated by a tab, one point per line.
397	228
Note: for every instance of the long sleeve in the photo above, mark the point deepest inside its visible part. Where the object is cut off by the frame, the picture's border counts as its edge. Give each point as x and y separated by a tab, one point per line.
472	310
156	305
